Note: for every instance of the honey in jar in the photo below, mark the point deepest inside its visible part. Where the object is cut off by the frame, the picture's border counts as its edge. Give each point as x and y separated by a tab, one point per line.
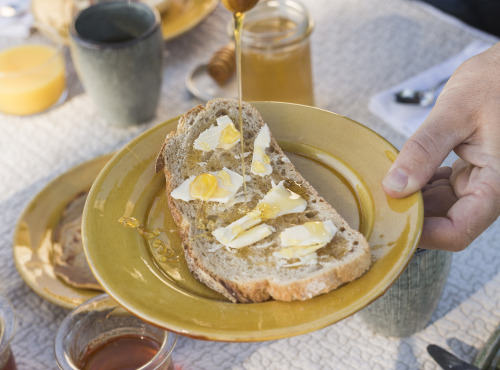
276	53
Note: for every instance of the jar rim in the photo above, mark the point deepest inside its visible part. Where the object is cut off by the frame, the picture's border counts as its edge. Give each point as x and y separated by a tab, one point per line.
80	38
292	10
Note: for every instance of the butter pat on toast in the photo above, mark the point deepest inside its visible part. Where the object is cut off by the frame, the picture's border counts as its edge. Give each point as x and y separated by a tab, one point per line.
268	235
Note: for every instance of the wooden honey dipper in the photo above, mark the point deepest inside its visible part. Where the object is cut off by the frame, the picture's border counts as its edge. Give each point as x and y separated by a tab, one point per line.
222	65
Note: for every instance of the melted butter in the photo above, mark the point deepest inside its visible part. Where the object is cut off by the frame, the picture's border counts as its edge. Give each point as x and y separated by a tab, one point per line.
237	230
220	193
317	229
229	135
258	167
203	186
300	251
260	152
204	146
267	210
226	179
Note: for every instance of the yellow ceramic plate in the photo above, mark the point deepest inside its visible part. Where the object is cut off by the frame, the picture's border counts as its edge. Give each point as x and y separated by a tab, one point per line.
344	160
180	17
33	234
183	15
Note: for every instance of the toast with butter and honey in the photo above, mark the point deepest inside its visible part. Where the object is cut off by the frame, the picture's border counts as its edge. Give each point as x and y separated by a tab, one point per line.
271	236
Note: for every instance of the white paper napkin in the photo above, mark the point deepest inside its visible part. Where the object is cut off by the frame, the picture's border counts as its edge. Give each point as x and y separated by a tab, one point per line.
406	118
17	26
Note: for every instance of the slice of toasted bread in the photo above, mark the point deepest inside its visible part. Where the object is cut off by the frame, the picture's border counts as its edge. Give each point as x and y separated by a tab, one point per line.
252	273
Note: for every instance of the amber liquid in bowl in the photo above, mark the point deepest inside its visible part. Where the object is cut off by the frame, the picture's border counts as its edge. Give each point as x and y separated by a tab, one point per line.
128	351
11	362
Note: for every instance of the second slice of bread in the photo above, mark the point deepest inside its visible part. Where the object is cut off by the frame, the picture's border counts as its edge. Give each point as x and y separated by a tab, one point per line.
252	273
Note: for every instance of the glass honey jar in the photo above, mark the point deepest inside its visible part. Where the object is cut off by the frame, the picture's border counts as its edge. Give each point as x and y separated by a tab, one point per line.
276	53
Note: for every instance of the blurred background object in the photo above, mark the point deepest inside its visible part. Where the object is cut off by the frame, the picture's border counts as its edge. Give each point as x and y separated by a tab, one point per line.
482	14
7	330
15	18
117	48
59	13
55	13
32	75
222	65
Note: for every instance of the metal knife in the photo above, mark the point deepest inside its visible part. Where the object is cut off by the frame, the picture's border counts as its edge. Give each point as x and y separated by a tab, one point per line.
448	360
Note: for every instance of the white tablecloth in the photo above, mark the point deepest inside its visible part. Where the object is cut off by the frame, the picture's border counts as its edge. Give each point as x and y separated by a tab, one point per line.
359	48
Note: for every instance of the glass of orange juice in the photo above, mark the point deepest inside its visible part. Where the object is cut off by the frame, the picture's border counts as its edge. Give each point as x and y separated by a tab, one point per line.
32	75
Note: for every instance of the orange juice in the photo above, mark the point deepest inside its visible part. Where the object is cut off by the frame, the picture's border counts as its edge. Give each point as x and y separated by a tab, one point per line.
32	78
276	53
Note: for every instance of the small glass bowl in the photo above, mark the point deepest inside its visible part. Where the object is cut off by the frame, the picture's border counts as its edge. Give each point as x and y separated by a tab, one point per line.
100	321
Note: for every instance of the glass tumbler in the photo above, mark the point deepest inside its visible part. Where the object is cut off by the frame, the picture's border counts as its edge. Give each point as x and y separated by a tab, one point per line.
276	53
32	74
101	334
7	329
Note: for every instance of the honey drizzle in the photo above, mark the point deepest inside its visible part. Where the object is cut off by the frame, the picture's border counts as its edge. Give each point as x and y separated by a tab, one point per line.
238	23
163	248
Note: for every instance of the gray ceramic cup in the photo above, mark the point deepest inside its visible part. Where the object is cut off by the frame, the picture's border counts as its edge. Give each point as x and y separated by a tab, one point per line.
408	305
117	48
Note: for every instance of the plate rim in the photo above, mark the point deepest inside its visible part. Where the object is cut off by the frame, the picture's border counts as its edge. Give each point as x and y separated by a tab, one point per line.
55	299
210	6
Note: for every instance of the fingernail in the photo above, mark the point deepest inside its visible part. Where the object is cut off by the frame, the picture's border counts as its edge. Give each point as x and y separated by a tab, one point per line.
396	180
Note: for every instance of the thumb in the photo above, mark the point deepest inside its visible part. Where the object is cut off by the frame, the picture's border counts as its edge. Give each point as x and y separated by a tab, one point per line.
420	157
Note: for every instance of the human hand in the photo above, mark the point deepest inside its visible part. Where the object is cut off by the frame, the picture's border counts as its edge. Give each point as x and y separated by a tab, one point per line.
462	201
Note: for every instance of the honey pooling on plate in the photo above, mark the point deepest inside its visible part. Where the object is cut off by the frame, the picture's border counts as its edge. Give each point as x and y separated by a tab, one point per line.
163	248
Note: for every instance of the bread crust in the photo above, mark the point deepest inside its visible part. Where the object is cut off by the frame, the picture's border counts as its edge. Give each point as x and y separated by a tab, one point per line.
347	256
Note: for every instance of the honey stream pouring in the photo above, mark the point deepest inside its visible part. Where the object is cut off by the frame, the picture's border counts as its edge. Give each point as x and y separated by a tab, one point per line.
238	8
